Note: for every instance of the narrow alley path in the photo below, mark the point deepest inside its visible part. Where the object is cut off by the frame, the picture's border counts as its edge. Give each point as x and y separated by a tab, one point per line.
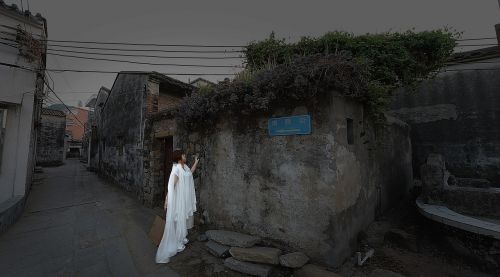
74	224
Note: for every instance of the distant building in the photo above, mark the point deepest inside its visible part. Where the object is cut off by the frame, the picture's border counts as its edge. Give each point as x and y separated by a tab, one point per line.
51	140
200	82
21	93
89	138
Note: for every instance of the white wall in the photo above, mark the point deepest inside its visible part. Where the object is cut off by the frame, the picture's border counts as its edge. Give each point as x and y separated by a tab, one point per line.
17	87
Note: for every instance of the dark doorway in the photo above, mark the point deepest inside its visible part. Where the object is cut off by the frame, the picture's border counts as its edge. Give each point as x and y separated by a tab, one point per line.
169	149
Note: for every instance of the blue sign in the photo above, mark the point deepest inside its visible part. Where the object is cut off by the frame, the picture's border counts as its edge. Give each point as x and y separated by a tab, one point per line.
291	125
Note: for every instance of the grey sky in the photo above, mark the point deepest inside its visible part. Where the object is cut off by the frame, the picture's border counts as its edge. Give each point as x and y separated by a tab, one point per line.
234	22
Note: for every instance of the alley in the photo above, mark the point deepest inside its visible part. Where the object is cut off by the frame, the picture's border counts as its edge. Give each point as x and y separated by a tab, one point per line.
74	224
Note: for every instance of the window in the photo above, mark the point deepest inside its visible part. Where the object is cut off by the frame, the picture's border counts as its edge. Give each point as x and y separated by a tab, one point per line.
350	131
3	122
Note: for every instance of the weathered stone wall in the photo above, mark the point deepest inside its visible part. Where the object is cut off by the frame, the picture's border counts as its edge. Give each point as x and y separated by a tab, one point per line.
312	193
96	132
456	115
121	126
50	147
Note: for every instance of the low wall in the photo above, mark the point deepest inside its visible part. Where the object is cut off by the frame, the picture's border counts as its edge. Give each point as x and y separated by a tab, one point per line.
312	193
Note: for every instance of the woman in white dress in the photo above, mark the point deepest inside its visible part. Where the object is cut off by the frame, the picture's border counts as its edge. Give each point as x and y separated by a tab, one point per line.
180	204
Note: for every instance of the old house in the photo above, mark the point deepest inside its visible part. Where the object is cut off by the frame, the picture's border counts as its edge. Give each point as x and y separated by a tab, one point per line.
75	129
21	93
90	133
309	176
51	139
200	82
121	119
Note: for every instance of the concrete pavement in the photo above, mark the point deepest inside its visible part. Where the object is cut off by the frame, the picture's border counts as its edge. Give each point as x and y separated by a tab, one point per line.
74	224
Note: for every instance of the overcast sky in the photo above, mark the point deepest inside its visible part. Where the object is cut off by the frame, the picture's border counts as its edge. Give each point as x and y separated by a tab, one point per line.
230	22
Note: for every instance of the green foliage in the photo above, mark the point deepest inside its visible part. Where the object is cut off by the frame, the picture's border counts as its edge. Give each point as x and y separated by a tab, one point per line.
393	59
368	68
251	92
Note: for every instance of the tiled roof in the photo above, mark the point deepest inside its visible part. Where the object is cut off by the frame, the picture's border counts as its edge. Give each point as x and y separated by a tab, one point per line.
476	55
52	112
38	18
201	80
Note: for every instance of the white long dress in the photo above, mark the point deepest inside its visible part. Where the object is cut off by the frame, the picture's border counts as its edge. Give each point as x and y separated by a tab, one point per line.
181	204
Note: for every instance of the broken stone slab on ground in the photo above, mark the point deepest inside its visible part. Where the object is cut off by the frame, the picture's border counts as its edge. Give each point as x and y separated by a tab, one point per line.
265	255
232	238
384	273
217	249
311	270
294	260
248	268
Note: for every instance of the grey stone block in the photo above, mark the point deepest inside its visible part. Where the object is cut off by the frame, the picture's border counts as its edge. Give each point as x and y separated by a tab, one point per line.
216	249
248	268
264	255
232	238
294	260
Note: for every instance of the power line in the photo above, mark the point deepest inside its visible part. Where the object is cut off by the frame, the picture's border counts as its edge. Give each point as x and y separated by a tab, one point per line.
146	63
475	45
114	72
134	62
469	39
55	94
146	44
148	50
147	56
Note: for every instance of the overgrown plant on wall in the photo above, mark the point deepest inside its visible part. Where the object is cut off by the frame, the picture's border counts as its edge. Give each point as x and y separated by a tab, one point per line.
368	67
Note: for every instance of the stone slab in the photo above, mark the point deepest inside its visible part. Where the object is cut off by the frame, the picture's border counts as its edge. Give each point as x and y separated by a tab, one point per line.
311	270
232	238
248	268
294	260
217	249
265	255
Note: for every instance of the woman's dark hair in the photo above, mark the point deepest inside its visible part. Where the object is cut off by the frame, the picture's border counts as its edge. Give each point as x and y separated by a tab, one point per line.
177	155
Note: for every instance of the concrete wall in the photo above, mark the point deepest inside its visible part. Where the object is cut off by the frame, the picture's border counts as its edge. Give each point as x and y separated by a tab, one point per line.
312	193
50	149
456	115
120	130
20	94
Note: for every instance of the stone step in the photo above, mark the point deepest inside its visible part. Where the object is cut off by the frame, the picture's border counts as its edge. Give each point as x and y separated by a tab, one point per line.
217	249
294	260
265	255
232	238
248	268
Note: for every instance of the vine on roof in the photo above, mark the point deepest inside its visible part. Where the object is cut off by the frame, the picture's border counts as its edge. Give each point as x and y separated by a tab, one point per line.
367	67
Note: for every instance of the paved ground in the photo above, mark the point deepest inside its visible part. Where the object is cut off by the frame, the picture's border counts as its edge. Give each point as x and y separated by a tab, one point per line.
74	224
